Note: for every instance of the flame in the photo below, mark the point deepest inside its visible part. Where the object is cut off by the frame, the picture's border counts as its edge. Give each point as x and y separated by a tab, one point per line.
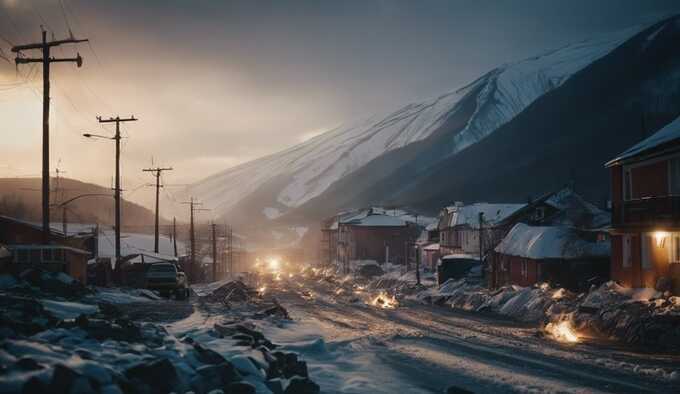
262	290
383	300
290	275
563	332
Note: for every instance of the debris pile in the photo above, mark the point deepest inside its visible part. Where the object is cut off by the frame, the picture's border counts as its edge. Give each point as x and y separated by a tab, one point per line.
643	318
232	291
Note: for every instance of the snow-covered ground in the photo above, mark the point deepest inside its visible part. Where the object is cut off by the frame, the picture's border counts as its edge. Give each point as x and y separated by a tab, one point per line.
353	346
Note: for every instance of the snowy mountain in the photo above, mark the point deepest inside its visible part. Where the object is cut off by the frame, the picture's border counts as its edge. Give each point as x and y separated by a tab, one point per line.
372	152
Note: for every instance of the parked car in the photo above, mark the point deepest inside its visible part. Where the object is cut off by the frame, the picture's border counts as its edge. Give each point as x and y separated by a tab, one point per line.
458	266
168	280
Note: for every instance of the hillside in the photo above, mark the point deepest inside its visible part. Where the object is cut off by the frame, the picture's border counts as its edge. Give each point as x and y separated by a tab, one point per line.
21	197
521	129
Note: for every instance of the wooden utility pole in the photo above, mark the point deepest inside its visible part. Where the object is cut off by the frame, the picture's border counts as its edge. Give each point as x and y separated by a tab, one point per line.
214	251
174	235
157	173
117	120
46	60
192	236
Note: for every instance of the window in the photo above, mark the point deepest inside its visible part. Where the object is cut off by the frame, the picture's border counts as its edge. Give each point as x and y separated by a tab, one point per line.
647	245
627	185
525	269
627	250
539	214
674	252
674	176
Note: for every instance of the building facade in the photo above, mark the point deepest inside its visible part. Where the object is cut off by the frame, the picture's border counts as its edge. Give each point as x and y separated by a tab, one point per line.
645	232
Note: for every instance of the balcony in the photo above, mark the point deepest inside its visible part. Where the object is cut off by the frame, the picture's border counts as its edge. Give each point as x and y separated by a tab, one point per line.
650	211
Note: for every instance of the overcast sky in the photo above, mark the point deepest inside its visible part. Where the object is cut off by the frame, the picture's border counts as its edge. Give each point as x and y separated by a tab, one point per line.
217	83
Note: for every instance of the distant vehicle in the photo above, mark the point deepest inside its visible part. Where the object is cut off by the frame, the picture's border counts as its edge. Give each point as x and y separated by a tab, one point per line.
167	279
457	266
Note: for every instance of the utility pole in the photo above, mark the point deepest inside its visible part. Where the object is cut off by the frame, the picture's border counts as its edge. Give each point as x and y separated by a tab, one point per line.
174	235
117	120
157	173
46	60
214	252
481	242
192	236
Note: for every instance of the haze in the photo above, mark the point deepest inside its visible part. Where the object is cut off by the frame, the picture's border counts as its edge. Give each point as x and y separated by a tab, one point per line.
216	84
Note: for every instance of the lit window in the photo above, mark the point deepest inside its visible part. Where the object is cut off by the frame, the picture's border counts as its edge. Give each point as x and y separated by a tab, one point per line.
674	252
627	250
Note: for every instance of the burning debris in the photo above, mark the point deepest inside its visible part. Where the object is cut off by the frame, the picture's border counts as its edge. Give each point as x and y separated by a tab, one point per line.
384	301
562	331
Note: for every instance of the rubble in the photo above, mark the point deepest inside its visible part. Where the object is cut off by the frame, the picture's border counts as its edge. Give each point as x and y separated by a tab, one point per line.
608	311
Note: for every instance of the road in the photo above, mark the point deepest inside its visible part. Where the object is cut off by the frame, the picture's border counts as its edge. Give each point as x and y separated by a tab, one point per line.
356	347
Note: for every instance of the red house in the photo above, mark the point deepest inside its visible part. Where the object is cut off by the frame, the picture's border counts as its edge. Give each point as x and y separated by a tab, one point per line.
645	231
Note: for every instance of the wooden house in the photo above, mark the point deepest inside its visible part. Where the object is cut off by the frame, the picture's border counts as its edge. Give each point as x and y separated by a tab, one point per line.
645	231
25	241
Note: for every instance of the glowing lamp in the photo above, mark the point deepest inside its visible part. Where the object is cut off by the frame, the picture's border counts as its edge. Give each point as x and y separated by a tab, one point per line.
660	237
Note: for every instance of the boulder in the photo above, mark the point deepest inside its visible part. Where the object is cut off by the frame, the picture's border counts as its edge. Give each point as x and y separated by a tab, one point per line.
298	385
159	375
240	388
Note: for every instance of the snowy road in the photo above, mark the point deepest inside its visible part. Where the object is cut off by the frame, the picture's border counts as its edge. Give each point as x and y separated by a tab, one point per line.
357	348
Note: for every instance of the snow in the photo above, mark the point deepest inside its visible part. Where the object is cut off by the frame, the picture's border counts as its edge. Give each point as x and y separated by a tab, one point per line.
492	213
7	281
122	296
667	134
311	167
431	247
68	310
549	242
377	221
134	243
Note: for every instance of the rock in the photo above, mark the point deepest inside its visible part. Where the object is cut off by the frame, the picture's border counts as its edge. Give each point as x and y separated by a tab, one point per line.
275	386
299	385
159	375
28	364
457	390
63	378
208	356
34	386
240	388
224	373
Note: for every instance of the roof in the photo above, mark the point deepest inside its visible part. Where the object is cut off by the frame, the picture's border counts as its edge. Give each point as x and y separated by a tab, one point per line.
46	247
549	242
460	256
669	133
431	247
377	221
492	214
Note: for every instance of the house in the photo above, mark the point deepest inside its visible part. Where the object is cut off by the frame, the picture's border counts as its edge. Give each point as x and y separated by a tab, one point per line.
25	243
645	230
560	216
560	255
376	233
460	227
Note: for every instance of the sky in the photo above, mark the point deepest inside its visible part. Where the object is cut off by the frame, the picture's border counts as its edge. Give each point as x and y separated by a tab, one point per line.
218	83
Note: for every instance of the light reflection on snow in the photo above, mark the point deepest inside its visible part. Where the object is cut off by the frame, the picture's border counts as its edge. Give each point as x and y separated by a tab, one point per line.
562	331
385	301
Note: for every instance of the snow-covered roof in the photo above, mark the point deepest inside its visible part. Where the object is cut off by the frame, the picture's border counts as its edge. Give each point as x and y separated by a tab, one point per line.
378	221
671	132
431	247
460	256
576	211
549	242
134	243
493	213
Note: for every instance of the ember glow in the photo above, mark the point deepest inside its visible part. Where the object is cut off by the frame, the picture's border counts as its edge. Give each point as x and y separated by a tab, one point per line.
563	332
385	301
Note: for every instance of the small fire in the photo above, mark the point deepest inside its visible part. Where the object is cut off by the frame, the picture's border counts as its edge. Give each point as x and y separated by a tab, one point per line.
262	290
383	300
563	331
290	275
